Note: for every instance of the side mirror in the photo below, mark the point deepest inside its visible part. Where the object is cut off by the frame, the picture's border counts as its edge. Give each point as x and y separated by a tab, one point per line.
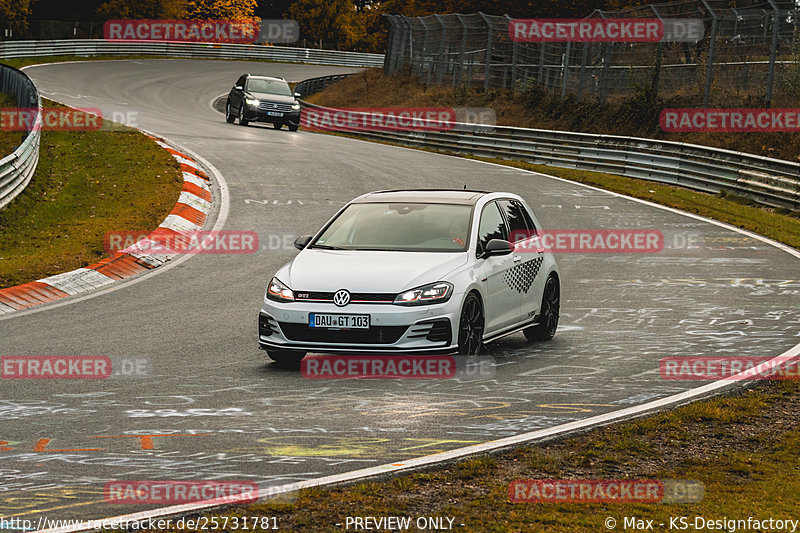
238	88
498	247
302	241
297	95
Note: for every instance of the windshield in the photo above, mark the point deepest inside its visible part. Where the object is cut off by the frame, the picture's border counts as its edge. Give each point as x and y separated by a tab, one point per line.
257	85
411	227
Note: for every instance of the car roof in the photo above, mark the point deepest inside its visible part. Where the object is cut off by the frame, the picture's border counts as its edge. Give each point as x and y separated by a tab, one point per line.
265	77
438	196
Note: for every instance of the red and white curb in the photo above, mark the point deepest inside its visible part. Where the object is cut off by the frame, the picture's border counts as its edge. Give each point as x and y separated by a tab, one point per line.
188	215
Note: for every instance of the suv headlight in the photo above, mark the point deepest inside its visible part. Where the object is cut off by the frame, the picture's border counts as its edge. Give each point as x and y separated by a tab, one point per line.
279	292
295	107
252	101
434	293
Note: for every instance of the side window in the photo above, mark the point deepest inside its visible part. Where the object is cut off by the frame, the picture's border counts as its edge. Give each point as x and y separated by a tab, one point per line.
519	224
528	220
240	82
492	226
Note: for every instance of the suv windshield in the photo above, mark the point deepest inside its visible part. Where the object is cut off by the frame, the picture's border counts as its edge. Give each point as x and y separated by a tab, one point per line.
260	85
408	227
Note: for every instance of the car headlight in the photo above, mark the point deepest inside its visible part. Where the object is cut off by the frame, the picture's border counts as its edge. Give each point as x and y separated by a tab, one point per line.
279	292
295	107
252	101
434	293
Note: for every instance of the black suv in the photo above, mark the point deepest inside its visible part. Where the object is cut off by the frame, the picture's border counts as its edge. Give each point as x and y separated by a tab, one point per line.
263	99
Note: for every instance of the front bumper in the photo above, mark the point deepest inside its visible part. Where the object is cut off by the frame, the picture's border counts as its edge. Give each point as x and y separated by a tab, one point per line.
259	115
394	329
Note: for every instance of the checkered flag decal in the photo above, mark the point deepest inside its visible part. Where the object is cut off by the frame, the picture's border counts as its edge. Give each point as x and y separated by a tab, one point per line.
520	278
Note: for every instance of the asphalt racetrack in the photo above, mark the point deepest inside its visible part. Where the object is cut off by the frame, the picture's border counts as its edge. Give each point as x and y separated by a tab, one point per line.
213	405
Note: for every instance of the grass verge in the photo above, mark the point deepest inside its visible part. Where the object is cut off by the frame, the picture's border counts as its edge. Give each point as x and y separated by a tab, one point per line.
85	185
9	140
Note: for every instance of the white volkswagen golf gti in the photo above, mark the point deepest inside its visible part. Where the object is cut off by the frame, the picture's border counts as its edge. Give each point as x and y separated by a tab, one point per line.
413	272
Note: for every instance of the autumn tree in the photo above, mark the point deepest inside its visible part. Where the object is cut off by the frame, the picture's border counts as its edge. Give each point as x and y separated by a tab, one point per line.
14	15
371	30
326	21
222	9
143	9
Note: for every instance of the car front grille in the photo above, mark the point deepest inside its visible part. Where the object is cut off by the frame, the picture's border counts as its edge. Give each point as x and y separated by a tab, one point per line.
275	106
355	297
373	335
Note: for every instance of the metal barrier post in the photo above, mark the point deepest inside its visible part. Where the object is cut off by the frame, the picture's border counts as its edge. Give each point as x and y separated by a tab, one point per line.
710	58
659	57
565	70
606	66
487	65
443	62
463	52
773	49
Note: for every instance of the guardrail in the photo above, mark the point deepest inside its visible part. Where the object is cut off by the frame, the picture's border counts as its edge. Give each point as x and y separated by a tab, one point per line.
16	169
315	85
769	181
89	47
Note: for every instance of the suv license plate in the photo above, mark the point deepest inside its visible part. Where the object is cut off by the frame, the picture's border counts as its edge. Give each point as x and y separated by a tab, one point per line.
274	113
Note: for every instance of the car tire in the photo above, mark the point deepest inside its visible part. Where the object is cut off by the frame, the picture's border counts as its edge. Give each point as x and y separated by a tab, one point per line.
293	127
277	125
286	358
548	317
470	326
242	119
229	117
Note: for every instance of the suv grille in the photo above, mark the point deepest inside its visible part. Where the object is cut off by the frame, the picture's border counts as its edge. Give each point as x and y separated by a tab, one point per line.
275	106
373	335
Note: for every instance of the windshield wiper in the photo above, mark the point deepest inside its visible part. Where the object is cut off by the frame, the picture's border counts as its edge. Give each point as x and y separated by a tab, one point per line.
382	249
327	247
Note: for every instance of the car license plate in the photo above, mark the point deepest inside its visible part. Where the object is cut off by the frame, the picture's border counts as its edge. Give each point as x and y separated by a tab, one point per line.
274	113
324	320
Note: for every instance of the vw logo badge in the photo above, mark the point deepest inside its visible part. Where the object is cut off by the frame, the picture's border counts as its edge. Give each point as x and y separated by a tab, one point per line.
341	298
